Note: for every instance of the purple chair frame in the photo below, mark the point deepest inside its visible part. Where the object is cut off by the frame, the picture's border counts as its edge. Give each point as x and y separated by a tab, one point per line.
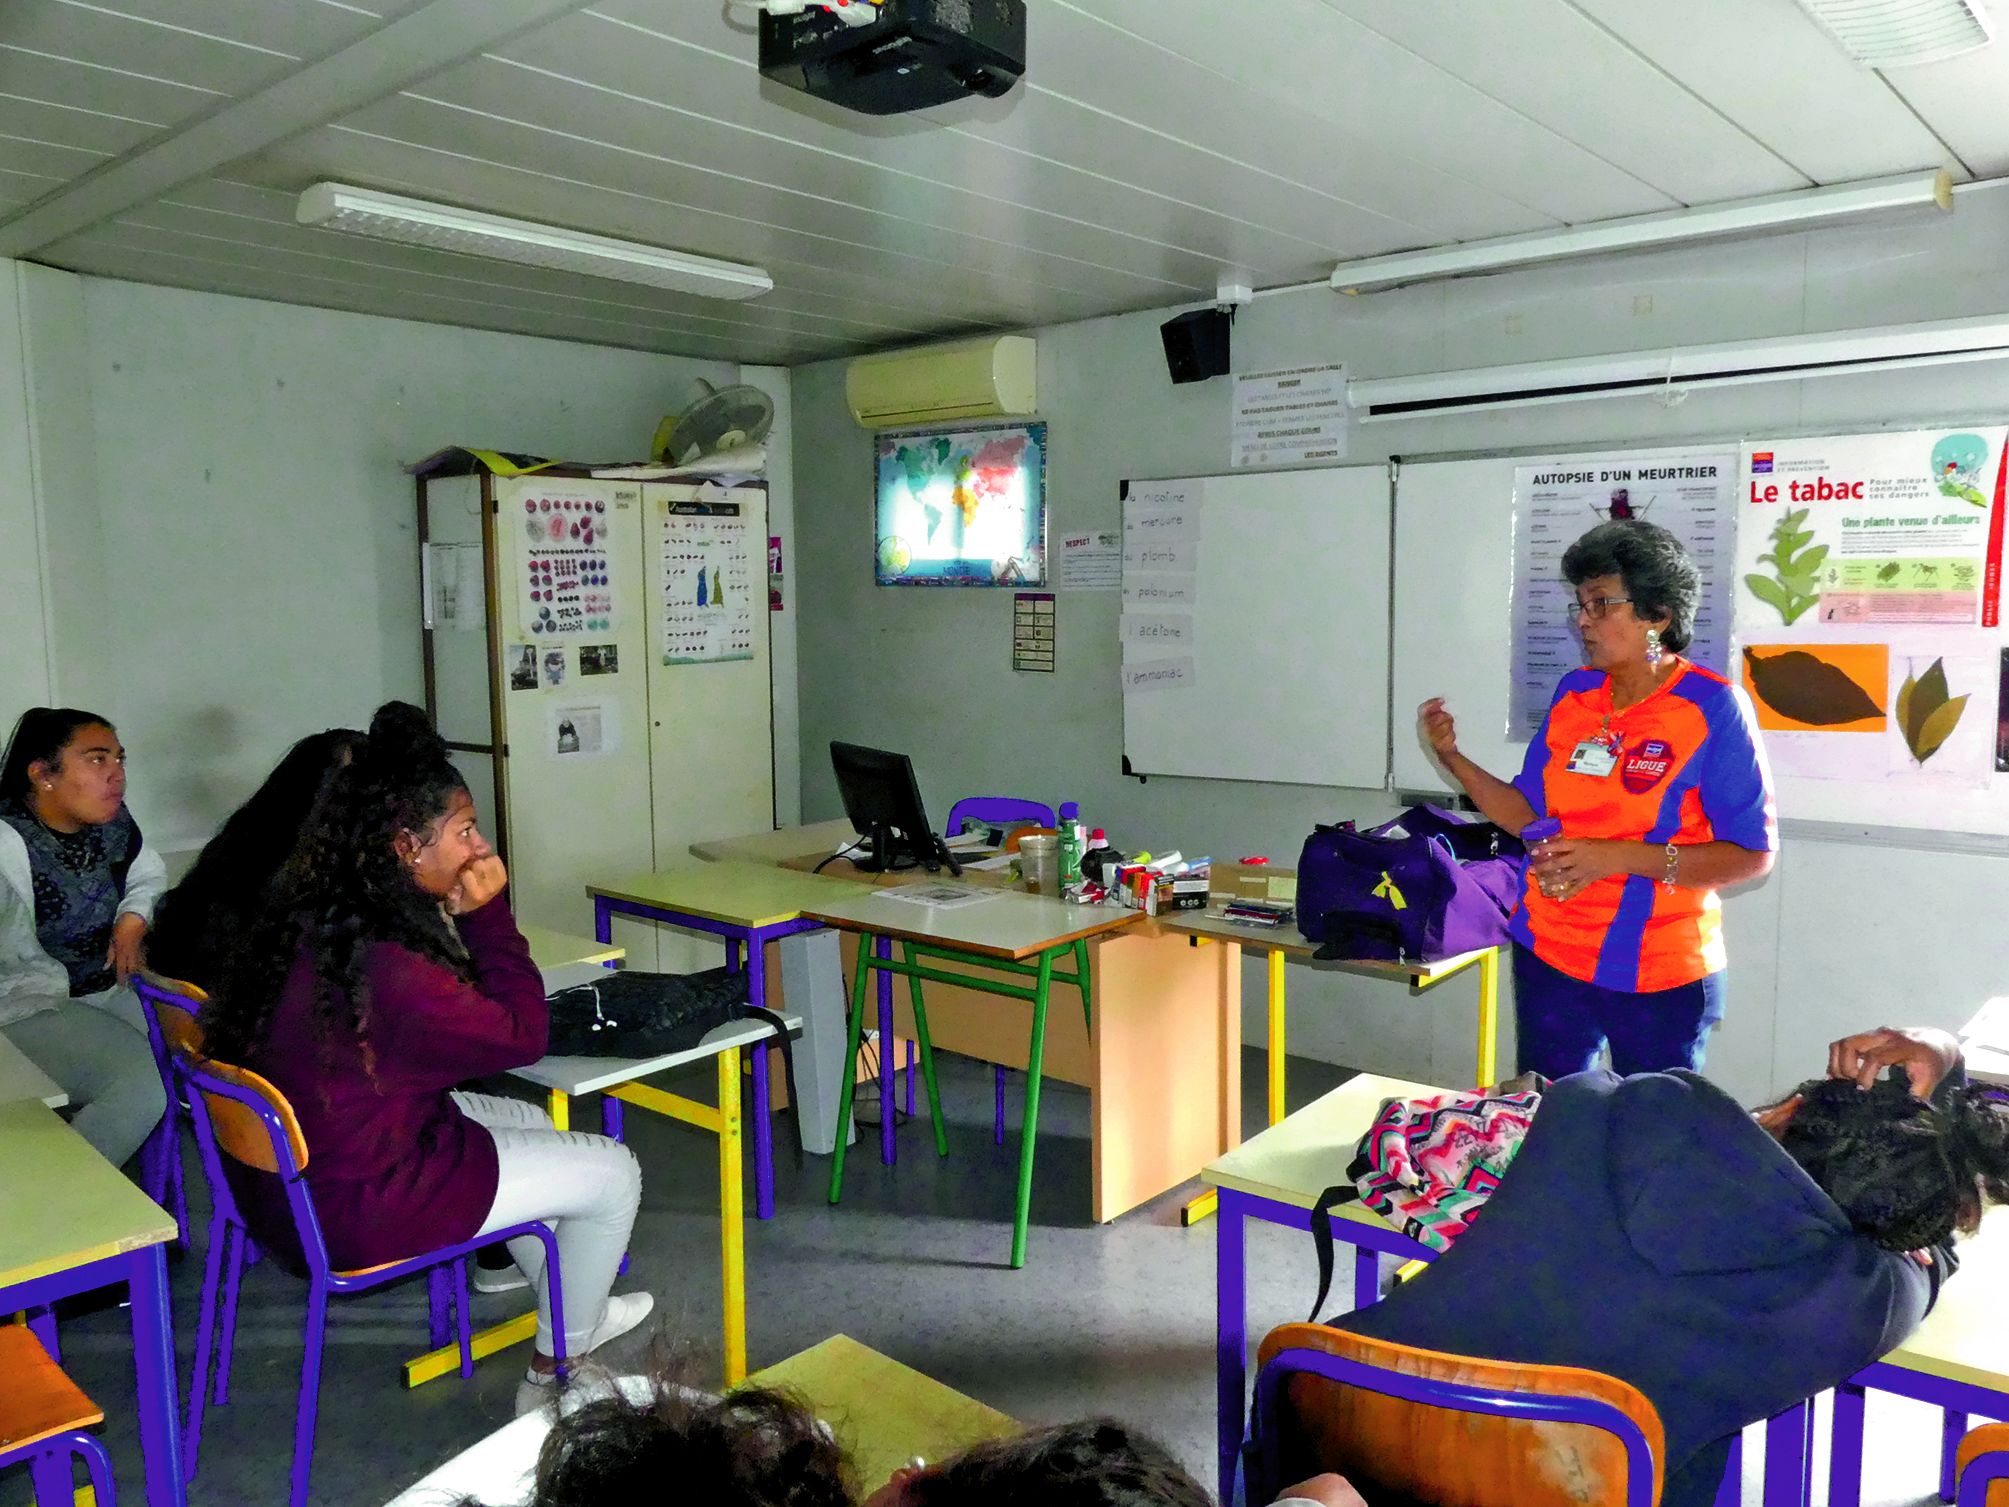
1262	1450
162	1177
754	939
227	1228
991	809
1982	1472
49	1467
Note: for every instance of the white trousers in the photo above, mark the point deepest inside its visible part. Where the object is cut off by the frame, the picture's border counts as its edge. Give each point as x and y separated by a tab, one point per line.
586	1187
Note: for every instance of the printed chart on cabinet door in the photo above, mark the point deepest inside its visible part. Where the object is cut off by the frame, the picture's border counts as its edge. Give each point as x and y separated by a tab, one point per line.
565	583
710	592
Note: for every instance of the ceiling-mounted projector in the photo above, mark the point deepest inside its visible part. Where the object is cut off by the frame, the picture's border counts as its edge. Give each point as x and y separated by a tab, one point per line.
913	54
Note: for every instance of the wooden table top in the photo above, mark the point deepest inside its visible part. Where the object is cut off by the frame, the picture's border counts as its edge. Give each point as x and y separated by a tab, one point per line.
1306	1152
1004	924
21	1079
738	892
883	1413
61	1204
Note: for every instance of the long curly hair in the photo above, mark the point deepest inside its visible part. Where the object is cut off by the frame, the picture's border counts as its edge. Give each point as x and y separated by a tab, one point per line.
220	900
1095	1462
343	891
751	1448
1906	1172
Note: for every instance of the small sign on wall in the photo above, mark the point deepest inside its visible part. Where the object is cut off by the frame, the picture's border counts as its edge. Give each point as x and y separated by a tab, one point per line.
1032	631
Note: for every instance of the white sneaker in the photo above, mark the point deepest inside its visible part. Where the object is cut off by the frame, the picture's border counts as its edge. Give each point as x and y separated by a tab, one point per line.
508	1278
619	1316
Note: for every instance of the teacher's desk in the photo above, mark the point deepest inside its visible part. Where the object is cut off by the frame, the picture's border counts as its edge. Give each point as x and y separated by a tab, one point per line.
1161	1059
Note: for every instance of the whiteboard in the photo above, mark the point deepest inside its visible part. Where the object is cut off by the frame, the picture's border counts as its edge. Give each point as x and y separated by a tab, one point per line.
1290	635
1453	584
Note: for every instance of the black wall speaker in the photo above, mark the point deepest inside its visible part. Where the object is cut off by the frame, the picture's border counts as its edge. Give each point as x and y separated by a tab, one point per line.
1196	345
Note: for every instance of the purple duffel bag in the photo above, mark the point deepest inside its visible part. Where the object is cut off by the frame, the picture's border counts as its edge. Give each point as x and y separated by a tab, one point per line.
1423	887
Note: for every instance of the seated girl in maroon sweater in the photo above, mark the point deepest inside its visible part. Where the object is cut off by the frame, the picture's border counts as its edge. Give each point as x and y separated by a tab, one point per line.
387	970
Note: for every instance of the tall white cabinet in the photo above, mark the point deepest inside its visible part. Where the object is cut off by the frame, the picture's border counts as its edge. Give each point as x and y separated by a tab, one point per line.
596	653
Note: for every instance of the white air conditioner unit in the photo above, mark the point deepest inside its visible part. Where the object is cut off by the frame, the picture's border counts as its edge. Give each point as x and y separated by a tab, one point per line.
1784	358
969	379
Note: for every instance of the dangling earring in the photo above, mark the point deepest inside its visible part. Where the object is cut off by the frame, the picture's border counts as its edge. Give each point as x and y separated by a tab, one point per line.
1653	648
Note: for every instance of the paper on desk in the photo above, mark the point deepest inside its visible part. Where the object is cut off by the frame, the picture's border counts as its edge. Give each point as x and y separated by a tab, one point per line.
941	896
977	839
1990	1026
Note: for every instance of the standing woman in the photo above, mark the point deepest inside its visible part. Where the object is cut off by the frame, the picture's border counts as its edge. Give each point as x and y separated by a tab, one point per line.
77	890
386	970
1653	766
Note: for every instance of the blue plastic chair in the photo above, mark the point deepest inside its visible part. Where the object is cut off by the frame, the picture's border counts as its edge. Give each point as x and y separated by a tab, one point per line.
1306	1370
43	1418
240	1115
990	811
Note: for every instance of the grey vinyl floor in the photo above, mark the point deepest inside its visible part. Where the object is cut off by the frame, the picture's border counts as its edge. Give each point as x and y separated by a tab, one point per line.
1115	1319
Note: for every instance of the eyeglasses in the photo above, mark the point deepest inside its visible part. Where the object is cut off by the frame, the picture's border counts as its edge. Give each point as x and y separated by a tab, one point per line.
1594	609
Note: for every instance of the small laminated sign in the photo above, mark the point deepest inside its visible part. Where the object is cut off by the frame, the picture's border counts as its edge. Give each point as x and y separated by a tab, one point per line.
1032	631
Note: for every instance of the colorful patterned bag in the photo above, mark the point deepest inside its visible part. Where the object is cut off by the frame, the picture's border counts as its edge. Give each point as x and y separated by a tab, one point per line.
1427	1166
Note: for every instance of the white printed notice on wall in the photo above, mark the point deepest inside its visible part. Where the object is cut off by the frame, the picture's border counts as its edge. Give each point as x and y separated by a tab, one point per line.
1859	530
1293	417
1161	557
1091	562
1691	496
711	593
567	583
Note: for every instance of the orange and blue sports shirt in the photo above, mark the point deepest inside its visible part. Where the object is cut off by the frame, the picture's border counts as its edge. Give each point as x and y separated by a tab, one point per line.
1690	770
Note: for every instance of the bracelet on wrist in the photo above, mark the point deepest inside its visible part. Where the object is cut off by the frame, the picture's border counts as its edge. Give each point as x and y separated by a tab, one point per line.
1671	875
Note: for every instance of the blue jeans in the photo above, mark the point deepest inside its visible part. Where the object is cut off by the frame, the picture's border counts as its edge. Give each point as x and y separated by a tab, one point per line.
1560	1022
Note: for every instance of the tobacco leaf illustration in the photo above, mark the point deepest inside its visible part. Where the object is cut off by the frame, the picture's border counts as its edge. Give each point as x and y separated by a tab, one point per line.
1793	589
1926	713
1808	689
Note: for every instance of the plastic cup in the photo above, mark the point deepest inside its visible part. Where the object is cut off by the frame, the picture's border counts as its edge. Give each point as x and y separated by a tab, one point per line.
1039	864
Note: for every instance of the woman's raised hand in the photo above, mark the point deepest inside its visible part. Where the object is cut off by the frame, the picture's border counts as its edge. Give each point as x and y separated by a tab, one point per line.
481	880
1438	729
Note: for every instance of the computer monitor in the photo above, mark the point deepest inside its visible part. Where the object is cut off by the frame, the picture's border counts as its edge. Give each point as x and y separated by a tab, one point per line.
883	802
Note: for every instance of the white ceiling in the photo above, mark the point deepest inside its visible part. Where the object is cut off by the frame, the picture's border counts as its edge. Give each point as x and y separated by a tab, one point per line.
1154	145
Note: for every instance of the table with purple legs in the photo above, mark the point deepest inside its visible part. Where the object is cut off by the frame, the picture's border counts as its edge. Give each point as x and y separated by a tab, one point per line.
71	1222
1958	1360
747	905
1278	1175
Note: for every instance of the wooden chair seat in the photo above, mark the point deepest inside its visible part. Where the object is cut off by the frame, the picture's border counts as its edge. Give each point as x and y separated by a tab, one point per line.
39	1400
1433	1454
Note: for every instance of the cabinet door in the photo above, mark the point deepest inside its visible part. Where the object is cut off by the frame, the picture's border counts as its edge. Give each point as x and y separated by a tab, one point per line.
710	707
572	588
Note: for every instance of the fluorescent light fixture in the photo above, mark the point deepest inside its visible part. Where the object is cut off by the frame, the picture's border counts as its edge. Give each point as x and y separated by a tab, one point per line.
1898	33
392	217
1784	358
1799	210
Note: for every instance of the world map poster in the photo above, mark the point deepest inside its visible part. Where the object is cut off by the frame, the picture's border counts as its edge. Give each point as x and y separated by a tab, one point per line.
962	507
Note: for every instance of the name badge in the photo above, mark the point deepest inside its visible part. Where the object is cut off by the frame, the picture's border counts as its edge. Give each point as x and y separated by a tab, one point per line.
1593	758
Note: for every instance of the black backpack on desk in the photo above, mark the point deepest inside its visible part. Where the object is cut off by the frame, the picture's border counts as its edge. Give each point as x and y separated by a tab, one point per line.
634	1014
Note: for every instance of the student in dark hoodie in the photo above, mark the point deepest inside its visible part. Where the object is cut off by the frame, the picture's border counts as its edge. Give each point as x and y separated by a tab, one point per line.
1727	1264
386	970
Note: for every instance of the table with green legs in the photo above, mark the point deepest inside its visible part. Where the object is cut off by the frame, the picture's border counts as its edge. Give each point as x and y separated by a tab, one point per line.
1021	937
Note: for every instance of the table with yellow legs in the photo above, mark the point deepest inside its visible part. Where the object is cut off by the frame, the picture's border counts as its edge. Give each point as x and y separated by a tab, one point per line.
1281	944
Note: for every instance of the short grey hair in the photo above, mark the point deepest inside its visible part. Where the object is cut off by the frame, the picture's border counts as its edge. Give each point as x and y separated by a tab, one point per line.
1659	574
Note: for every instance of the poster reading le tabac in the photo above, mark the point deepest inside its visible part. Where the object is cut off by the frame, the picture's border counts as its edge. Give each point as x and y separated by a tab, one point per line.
1865	530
